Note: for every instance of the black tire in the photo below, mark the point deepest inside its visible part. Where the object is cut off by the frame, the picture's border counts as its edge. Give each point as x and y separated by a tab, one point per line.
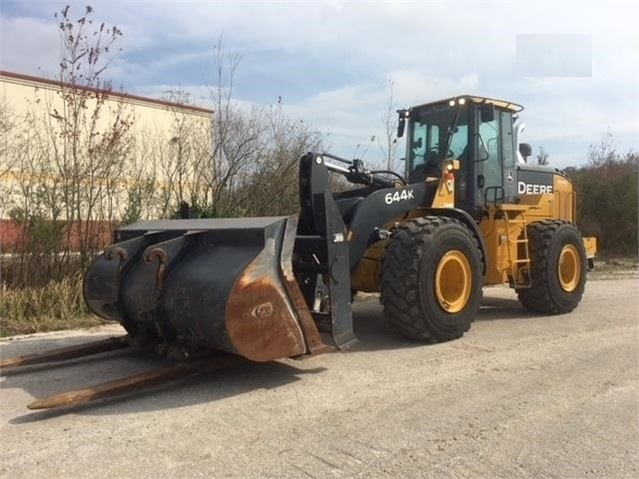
557	268
423	252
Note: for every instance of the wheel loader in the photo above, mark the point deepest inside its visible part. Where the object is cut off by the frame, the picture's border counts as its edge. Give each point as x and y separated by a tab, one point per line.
468	211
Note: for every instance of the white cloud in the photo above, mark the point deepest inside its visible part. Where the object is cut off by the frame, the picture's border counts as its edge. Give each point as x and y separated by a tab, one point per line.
348	50
416	86
28	45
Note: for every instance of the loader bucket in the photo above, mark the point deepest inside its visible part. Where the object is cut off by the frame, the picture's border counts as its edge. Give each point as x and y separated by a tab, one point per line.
226	284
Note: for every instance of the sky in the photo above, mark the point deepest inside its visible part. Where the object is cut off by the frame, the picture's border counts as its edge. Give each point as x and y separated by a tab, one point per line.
574	65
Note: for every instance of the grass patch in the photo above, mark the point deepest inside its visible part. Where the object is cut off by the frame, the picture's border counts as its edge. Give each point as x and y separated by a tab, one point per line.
57	305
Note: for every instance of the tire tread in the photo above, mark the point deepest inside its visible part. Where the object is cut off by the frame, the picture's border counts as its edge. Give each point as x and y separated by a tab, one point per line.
400	277
539	298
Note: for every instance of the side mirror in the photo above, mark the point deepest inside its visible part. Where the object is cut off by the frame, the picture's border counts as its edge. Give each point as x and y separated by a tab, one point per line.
400	125
526	150
487	113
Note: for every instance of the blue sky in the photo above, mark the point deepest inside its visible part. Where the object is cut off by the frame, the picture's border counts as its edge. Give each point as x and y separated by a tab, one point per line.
331	61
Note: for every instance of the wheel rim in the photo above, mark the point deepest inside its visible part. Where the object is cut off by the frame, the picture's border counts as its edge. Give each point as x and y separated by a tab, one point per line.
453	281
569	268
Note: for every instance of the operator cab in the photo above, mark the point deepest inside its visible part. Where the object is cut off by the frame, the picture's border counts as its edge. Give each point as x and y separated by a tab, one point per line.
478	132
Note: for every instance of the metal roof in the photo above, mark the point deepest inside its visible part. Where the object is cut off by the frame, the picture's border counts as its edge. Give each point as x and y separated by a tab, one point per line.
476	99
26	79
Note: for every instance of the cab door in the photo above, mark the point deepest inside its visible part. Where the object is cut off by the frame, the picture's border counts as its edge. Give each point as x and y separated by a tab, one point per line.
495	157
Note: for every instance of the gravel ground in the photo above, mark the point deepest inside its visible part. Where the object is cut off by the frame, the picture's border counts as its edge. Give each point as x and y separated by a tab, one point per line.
519	396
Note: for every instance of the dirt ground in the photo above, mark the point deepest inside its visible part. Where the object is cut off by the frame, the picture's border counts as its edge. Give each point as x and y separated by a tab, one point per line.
519	396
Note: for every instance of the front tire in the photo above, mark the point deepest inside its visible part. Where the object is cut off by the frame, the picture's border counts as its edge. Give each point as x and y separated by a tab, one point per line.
431	279
558	268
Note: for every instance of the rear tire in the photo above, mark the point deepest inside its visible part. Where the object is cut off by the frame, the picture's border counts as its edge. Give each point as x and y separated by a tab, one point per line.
557	269
431	279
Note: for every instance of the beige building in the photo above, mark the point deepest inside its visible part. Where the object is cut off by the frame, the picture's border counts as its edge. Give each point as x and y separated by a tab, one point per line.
75	154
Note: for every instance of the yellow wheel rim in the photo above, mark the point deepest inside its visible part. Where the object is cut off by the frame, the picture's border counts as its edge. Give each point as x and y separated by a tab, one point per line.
453	281
569	268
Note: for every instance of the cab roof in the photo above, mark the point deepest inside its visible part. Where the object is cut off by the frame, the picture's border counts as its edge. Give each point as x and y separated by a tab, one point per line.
514	107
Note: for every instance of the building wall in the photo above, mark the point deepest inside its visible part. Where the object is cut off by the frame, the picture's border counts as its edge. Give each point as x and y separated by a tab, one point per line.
151	115
161	155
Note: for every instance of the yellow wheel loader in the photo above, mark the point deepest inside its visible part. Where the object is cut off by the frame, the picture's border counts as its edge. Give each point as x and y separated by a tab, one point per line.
468	212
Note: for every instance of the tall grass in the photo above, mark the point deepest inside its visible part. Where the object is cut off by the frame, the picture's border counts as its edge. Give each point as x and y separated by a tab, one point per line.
56	305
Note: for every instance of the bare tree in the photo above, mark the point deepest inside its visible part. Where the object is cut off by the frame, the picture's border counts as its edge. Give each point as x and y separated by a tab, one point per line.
236	133
388	141
255	149
604	152
272	187
184	162
33	206
542	157
9	129
75	156
89	136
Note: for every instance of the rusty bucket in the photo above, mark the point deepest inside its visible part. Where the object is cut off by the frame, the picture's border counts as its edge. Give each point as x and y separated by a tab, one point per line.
226	284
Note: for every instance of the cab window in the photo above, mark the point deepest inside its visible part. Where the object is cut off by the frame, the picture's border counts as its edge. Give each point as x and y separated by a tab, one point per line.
428	137
459	142
508	140
489	152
